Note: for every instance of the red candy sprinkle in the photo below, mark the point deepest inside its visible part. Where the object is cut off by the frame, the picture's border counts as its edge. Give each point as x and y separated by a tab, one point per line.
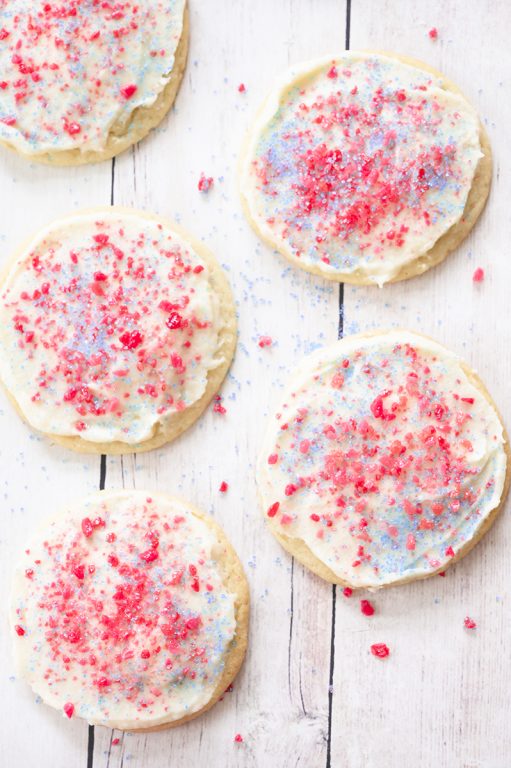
128	91
469	623
347	591
366	607
380	650
72	128
149	555
478	275
238	738
87	527
174	321
69	709
218	407
265	341
433	33
272	511
241	88
115	742
19	630
205	183
223	487
79	572
378	409
131	339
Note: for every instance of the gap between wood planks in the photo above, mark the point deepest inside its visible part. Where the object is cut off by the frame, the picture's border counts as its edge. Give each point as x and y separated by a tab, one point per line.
102	482
340	334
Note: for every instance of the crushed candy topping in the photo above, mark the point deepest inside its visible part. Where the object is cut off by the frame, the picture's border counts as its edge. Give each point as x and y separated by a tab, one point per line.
141	636
108	326
388	473
363	166
71	72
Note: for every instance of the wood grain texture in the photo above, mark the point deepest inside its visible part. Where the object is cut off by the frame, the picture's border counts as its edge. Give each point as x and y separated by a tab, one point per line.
36	477
441	698
280	700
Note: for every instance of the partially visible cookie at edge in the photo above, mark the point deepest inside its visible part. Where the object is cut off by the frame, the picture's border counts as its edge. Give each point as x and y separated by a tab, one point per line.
110	79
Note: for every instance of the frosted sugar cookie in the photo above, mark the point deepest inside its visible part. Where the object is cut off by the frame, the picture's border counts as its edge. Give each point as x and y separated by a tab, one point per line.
130	609
83	80
386	461
365	167
116	330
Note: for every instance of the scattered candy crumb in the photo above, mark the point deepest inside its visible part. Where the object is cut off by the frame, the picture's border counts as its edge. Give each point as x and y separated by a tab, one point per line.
478	275
238	738
224	487
205	183
115	742
366	607
69	709
347	591
469	623
265	341
433	33
218	407
380	650
242	88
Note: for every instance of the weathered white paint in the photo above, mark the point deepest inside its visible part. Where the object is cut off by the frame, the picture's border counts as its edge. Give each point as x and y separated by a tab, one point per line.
441	699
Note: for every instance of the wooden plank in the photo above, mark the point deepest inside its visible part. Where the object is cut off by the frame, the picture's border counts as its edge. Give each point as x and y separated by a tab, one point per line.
37	476
280	700
442	697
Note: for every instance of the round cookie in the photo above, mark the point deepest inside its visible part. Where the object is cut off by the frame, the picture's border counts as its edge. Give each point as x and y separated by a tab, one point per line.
116	330
386	462
82	83
365	168
130	610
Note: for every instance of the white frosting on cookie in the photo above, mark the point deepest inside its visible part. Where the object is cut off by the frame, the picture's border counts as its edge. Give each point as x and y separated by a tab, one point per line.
120	612
109	326
71	72
384	458
357	164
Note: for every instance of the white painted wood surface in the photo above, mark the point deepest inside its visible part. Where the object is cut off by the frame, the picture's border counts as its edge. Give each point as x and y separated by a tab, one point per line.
441	699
